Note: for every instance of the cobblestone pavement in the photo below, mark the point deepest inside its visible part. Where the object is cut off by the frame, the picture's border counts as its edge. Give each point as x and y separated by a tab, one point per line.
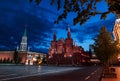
49	73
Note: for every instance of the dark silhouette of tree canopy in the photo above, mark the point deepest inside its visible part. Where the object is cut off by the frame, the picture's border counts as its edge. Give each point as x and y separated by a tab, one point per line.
4	60
44	60
16	57
1	60
8	60
85	9
105	47
38	59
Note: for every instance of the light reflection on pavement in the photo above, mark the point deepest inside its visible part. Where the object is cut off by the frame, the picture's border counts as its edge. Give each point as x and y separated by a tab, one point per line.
10	72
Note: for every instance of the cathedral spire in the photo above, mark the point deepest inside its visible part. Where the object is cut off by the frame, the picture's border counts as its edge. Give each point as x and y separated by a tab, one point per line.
54	37
68	28
69	36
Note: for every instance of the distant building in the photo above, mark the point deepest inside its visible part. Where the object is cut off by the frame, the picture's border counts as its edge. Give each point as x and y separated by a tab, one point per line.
65	51
116	30
116	33
27	57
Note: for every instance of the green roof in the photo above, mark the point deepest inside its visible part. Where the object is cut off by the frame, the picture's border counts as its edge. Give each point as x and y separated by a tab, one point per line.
25	33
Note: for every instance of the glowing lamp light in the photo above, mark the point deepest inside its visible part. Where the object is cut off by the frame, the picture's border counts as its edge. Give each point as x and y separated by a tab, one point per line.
70	55
119	57
26	63
34	59
40	62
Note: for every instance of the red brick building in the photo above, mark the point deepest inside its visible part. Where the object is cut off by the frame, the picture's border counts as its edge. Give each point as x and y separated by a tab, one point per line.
65	51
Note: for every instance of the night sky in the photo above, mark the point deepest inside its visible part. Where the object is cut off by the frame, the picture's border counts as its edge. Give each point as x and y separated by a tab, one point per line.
15	14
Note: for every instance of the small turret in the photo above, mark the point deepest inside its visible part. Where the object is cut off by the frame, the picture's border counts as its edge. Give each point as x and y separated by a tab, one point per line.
69	35
54	37
17	48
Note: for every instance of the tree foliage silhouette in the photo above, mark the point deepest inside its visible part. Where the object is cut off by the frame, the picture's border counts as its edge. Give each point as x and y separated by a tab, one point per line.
16	57
85	9
104	46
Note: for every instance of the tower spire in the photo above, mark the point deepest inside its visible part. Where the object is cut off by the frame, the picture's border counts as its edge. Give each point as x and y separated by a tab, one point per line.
17	48
68	28
23	46
54	37
25	32
69	36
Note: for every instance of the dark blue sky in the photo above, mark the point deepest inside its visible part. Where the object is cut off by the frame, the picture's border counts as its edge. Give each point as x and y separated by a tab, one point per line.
15	14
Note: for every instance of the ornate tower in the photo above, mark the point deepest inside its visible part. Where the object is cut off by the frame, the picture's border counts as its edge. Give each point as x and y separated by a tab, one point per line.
23	46
53	46
68	44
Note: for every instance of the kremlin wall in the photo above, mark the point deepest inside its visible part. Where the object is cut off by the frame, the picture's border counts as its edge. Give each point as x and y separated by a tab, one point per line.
65	51
61	51
27	57
10	55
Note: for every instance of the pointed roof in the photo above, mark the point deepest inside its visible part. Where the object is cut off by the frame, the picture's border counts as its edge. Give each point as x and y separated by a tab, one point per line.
68	28
68	34
25	33
54	36
54	32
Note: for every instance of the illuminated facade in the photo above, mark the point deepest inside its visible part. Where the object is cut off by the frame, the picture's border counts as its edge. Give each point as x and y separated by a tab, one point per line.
28	57
116	33
65	51
116	30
